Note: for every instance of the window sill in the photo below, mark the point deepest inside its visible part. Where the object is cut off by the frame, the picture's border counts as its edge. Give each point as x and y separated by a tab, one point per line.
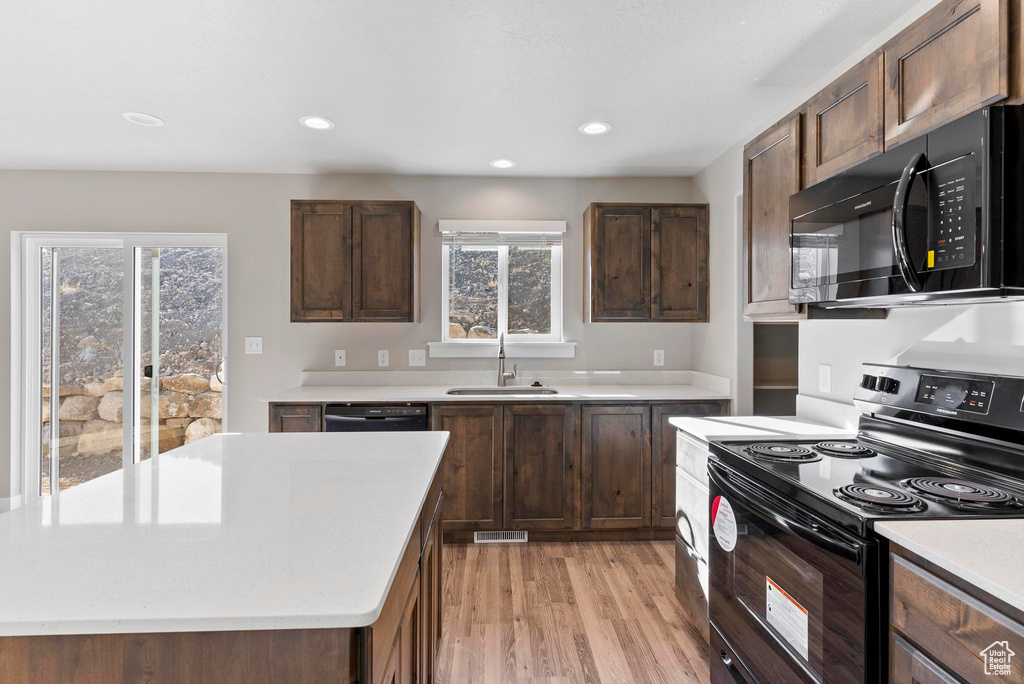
489	350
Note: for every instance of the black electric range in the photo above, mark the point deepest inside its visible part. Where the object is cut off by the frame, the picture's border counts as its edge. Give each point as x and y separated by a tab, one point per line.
799	579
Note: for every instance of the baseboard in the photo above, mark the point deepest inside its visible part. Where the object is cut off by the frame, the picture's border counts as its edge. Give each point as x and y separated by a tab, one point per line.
9	503
646	534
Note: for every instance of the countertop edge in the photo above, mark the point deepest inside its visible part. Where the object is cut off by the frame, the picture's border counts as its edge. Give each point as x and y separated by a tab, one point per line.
903	536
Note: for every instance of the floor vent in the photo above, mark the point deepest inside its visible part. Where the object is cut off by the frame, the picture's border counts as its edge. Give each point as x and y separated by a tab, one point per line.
503	537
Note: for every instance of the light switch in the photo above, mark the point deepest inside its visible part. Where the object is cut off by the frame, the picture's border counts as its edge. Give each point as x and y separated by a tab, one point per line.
659	357
417	357
383	358
825	378
253	345
339	357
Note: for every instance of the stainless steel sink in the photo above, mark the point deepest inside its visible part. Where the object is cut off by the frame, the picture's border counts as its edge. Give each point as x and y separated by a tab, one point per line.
492	391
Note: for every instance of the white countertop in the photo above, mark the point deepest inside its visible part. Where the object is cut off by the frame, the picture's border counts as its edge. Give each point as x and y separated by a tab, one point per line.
713	428
438	393
234	532
986	553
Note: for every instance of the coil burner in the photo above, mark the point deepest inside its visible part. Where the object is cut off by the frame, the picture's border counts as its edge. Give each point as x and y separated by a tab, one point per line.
879	499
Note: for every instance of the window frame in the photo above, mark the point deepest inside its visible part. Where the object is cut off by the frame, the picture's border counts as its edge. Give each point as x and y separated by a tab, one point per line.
556	334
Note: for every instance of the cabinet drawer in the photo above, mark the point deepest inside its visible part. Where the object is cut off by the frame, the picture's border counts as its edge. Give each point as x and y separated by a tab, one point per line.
910	666
296	418
950	624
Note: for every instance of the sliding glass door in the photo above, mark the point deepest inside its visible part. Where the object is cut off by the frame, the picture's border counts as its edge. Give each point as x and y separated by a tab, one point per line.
124	350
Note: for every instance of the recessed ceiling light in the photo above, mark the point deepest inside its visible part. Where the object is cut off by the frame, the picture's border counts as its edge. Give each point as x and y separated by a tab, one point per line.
143	119
502	163
595	127
317	122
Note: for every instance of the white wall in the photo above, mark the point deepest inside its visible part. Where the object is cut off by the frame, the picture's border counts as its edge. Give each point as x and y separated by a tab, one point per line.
253	210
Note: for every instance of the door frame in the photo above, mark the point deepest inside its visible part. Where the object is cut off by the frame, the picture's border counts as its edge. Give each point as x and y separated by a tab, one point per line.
26	409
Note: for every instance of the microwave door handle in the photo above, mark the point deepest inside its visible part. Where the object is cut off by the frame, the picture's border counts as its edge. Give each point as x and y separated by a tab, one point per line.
900	205
815	535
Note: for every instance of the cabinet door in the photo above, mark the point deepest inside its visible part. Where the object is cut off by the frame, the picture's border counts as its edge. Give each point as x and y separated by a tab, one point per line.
540	449
321	261
679	263
621	263
472	466
844	123
616	467
430	602
384	241
663	455
296	418
909	666
409	640
391	674
771	173
949	62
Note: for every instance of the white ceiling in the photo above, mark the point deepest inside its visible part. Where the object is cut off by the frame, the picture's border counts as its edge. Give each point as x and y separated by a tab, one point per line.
415	86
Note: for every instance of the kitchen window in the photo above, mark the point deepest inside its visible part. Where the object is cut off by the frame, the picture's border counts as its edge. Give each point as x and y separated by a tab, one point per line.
501	278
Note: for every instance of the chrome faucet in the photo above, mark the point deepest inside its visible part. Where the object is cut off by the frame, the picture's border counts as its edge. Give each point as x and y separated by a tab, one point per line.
502	375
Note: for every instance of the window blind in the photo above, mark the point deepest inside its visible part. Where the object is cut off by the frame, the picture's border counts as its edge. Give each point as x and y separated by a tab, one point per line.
502	239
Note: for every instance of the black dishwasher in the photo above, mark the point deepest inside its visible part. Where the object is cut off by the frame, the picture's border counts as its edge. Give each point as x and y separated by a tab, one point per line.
348	418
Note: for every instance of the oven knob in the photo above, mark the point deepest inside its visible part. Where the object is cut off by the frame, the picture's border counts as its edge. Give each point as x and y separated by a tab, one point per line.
887	385
868	381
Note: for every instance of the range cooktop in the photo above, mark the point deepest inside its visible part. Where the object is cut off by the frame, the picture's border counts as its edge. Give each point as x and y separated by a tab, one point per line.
856	482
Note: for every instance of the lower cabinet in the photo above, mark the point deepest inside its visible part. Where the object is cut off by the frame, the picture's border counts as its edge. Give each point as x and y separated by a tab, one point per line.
945	630
540	475
473	468
663	455
430	602
410	637
296	418
616	467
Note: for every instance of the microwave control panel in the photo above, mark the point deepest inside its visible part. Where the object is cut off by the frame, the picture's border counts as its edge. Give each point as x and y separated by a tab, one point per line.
953	224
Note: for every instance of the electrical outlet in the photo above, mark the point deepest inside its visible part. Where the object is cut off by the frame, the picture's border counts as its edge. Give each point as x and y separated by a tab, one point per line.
339	357
417	357
825	378
383	358
659	357
253	345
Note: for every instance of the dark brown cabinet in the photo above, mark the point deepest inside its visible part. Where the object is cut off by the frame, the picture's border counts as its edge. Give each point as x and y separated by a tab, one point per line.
430	602
646	262
844	123
951	61
409	637
771	173
296	418
942	628
540	475
473	469
354	261
616	467
663	455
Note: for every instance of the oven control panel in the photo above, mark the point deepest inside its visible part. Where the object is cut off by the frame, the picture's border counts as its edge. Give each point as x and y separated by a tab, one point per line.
996	400
952	221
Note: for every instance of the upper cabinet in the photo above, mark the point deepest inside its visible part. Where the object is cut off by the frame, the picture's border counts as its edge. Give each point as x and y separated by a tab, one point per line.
354	261
949	62
844	124
771	173
959	56
646	262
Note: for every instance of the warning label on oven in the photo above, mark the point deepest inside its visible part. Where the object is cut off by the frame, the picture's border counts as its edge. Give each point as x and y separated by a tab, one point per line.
723	522
787	616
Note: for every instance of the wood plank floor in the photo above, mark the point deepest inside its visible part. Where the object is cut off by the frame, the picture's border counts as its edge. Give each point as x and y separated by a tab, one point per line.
565	612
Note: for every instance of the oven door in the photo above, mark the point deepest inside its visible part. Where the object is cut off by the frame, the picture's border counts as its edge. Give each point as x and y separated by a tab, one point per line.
795	598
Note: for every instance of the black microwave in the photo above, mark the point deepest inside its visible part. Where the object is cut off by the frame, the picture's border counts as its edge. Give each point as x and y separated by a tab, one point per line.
935	220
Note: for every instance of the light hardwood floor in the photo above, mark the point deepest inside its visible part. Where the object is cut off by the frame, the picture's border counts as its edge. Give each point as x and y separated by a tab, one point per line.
565	612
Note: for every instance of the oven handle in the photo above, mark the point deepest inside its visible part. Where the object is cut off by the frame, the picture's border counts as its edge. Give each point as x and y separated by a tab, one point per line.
731	667
900	203
815	534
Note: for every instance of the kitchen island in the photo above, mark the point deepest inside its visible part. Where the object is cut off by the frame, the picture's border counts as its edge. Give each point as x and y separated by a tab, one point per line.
241	557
